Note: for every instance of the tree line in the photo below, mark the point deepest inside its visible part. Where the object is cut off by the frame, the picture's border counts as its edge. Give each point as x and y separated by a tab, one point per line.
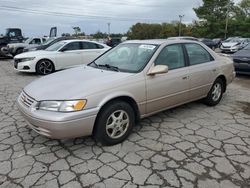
216	19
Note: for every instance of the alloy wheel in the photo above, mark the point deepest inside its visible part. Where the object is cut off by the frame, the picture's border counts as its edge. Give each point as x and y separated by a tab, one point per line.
117	124
216	92
45	67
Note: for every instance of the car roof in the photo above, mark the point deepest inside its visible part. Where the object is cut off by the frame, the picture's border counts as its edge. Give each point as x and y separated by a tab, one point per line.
79	40
160	41
150	41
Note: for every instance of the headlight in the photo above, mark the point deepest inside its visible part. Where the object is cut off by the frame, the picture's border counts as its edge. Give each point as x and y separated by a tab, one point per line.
62	106
26	59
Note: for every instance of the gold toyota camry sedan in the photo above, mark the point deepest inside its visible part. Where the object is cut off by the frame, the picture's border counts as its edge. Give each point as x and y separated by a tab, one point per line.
131	81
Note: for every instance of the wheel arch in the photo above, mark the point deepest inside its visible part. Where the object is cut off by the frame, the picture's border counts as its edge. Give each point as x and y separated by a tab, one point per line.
224	79
125	98
47	59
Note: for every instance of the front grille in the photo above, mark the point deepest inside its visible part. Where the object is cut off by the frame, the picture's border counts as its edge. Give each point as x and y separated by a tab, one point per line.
26	99
16	61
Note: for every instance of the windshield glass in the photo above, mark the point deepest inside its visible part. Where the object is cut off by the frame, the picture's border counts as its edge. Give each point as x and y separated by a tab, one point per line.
56	46
127	57
28	40
234	40
247	47
49	41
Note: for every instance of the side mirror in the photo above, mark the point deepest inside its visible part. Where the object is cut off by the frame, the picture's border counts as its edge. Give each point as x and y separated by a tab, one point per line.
158	69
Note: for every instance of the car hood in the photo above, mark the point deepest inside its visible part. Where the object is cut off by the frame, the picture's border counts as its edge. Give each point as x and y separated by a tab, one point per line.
229	44
241	54
34	54
75	83
17	44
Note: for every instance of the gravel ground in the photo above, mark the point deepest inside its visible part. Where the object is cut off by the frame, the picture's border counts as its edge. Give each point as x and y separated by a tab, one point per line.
189	146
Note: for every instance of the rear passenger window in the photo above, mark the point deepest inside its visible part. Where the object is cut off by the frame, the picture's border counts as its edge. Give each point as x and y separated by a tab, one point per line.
197	54
172	56
90	45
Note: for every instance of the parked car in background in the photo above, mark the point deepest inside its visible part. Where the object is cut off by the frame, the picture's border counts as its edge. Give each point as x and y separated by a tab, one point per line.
210	43
183	38
48	43
234	44
61	55
17	48
131	81
217	42
12	35
242	60
112	42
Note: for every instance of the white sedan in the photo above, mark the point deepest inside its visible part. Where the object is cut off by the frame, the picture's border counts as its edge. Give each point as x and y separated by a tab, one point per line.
61	55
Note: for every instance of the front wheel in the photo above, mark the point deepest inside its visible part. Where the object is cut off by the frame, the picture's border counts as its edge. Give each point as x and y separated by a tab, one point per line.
44	67
114	123
215	94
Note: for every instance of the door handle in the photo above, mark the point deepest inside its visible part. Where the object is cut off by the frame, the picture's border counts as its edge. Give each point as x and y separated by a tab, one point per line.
214	70
185	77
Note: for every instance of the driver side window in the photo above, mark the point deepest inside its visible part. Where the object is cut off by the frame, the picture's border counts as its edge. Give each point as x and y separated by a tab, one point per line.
172	56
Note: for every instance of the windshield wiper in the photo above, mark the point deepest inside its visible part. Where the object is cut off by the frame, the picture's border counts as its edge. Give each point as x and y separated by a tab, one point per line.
109	67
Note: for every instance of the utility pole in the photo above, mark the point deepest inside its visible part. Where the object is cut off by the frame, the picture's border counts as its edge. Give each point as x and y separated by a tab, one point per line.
227	17
180	16
109	28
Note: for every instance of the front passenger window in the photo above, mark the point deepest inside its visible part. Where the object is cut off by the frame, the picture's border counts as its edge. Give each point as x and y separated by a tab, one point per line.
172	56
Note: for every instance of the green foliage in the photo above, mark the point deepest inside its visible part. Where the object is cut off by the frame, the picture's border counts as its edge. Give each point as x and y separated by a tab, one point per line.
212	16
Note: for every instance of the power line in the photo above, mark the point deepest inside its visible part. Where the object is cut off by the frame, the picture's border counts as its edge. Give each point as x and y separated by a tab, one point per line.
63	14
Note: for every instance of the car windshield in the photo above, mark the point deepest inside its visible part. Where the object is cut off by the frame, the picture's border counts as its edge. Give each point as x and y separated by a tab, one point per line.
56	46
28	40
128	57
247	47
49	41
234	40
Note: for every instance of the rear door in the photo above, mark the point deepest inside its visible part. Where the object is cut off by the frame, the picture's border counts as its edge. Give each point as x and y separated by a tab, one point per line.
202	70
69	55
91	51
172	88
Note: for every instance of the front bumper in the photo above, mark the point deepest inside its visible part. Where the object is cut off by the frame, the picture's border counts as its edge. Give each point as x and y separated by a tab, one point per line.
26	66
242	67
224	49
58	125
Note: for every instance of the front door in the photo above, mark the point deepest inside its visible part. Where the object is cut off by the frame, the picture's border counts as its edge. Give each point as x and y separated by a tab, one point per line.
172	88
69	55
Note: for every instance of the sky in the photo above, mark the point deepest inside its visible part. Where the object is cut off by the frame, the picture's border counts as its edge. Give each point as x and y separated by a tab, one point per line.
35	18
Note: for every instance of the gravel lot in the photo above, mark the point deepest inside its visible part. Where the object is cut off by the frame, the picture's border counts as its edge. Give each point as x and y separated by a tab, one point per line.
189	146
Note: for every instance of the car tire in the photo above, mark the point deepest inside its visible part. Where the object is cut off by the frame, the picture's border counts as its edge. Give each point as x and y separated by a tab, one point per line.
215	94
44	67
19	51
114	123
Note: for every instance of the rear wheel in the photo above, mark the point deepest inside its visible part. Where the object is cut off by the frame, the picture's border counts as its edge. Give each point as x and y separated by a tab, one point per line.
114	123
44	67
215	94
